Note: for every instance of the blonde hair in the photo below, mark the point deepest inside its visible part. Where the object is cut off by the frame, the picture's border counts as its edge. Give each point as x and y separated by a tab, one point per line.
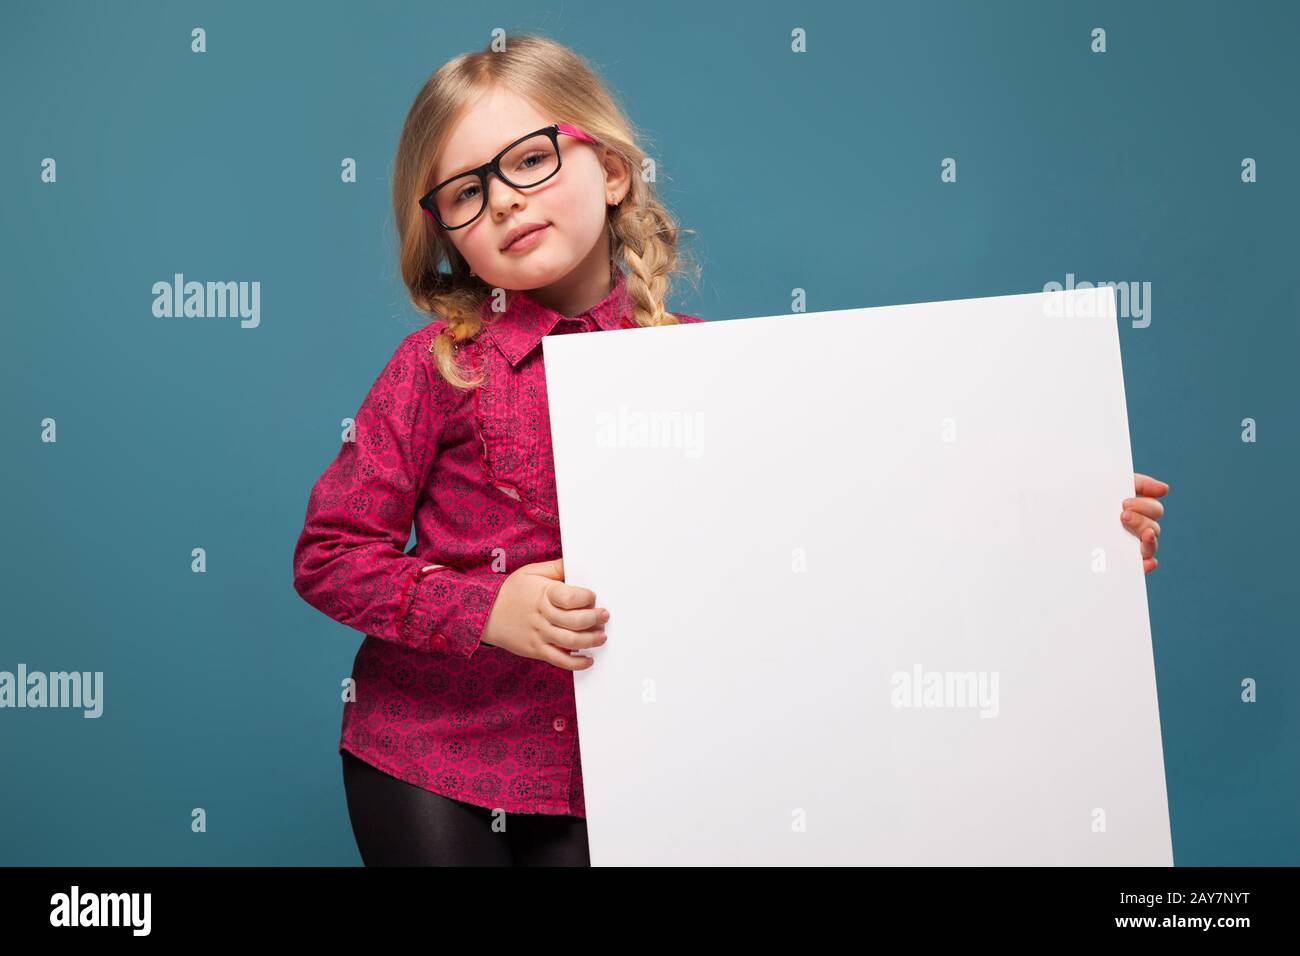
563	87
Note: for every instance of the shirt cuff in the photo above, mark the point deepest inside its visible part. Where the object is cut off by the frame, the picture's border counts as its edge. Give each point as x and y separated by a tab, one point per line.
445	611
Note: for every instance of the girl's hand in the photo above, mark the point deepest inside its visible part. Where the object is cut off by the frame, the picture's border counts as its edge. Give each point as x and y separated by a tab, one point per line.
1140	514
537	615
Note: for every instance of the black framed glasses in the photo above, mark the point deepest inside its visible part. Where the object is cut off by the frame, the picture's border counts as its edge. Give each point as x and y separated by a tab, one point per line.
527	162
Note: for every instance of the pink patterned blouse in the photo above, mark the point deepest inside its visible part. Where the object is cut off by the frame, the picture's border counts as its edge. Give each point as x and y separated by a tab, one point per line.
475	473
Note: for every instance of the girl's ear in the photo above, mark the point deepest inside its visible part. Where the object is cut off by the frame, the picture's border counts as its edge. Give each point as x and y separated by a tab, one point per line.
618	177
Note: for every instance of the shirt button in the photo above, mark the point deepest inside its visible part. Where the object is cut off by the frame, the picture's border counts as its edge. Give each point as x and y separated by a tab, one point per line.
559	724
439	641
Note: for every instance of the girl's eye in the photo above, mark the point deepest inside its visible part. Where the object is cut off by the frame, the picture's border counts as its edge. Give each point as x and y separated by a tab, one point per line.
464	193
534	155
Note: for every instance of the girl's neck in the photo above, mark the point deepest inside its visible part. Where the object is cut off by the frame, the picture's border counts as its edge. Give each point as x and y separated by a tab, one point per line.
583	286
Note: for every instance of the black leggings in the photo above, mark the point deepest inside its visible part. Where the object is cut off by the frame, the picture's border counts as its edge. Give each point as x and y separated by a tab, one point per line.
399	824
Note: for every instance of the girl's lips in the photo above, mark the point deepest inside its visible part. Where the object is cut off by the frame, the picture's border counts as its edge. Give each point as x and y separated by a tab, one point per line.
528	241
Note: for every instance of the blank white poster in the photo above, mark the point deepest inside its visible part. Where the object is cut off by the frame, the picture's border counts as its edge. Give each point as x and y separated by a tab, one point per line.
871	601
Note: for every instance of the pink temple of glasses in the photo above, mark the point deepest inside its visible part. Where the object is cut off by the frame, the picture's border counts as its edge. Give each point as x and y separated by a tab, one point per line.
575	131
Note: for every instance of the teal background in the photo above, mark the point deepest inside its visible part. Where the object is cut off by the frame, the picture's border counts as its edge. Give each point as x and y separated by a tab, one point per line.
817	171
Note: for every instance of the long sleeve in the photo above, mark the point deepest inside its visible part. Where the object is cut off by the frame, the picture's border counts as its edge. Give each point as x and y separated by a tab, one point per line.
349	561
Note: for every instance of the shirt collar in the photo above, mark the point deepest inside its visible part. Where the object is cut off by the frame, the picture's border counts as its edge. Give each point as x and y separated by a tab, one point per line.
525	322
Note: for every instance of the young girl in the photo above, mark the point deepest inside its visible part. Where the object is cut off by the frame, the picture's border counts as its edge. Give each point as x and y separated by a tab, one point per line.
461	746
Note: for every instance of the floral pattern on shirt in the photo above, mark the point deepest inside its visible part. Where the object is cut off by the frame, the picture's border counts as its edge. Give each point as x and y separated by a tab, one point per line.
474	471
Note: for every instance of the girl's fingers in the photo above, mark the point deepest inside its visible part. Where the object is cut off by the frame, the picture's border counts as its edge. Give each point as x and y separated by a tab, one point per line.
564	595
583	619
1140	513
1148	486
1150	542
562	658
564	638
1147	506
1139	523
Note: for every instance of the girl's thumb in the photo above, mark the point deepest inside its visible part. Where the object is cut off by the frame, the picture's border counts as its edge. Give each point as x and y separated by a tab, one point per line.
554	569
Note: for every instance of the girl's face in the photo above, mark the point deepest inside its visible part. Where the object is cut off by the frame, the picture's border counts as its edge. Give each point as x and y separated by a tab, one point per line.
572	253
